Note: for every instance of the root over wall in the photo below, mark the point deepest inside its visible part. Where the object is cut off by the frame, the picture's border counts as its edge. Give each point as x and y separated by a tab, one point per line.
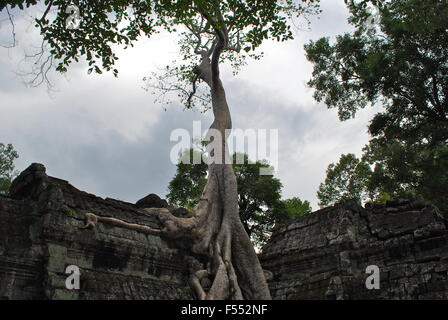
320	256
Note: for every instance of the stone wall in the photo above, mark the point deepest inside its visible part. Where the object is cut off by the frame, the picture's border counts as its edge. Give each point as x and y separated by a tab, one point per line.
41	234
324	255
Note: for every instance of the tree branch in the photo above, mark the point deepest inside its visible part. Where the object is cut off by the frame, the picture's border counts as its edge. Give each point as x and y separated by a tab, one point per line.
14	42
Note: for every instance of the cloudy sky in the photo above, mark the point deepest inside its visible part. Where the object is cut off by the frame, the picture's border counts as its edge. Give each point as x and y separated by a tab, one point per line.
108	137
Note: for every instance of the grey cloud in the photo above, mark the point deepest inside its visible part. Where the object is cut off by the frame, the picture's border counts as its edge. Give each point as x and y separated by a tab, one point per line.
106	136
309	138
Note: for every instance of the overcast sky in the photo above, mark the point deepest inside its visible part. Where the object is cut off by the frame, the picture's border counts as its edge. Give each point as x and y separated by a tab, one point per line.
108	137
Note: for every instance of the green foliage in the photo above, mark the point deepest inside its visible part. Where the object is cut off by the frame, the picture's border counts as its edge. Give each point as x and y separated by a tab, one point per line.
402	168
382	198
7	173
186	187
106	25
348	179
70	212
295	208
401	63
259	201
258	198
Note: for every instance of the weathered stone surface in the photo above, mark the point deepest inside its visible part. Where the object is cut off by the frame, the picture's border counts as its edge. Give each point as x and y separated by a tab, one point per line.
152	201
180	212
40	235
325	255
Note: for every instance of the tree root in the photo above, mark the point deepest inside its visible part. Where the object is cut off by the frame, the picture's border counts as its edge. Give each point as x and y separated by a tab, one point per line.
268	275
195	282
215	230
92	221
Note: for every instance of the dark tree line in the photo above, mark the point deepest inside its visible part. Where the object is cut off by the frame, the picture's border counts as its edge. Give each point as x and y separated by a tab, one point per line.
397	59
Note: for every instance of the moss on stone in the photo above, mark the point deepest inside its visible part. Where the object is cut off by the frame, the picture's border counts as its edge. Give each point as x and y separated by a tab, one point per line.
70	212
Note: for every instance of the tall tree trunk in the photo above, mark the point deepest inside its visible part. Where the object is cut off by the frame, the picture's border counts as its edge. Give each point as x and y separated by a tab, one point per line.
215	227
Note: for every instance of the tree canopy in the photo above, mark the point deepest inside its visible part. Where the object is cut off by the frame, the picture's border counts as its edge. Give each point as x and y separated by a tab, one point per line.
348	179
294	208
185	188
104	26
400	63
7	173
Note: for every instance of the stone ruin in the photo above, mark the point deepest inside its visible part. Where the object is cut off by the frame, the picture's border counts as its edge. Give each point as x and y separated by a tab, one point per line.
41	234
323	255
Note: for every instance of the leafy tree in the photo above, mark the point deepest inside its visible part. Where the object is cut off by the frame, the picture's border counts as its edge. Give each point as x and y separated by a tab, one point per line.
258	195
258	198
211	32
295	208
348	179
403	169
7	173
186	187
401	62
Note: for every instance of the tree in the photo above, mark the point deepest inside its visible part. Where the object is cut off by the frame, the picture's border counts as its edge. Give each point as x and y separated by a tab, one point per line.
258	198
259	201
185	189
7	173
407	169
348	179
295	208
211	32
400	62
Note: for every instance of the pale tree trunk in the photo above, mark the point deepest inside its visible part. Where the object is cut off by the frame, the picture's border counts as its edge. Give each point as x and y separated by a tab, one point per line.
215	227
